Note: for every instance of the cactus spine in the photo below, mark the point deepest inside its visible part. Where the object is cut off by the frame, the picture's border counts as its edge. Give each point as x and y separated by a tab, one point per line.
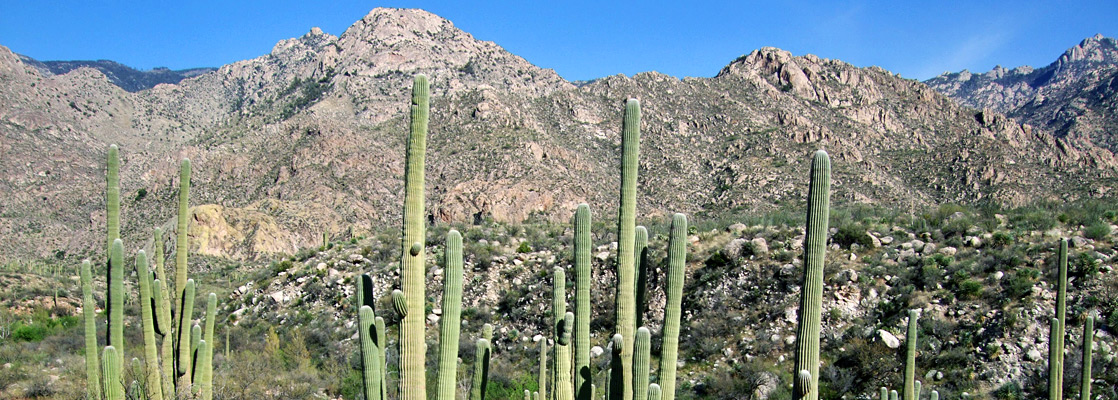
481	370
1061	315
1088	343
640	291
450	323
911	387
111	370
89	314
116	298
153	383
370	356
641	355
412	365
811	300
582	264
677	258
626	221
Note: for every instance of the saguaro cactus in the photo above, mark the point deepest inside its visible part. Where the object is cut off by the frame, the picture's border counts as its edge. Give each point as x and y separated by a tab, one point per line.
481	370
811	300
1053	360
543	368
654	392
884	393
641	356
616	375
412	365
640	252
111	369
677	258
581	347
184	362
563	388
450	323
1061	315
934	395
1088	345
163	298
558	310
911	388
182	325
382	344
370	356
626	222
112	197
89	314
153	381
116	298
206	364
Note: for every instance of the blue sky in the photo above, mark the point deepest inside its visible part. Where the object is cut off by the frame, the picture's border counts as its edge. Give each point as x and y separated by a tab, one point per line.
582	40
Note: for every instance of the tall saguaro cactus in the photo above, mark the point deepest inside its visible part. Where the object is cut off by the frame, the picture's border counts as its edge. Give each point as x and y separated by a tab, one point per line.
1088	345
116	298
911	388
111	368
112	197
677	258
450	323
811	300
153	380
581	347
184	362
89	314
163	298
182	325
642	350
412	365
626	222
370	356
1053	360
1061	315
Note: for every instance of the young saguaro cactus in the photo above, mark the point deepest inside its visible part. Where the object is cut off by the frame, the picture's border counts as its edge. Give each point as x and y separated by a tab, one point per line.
811	300
412	347
450	324
89	314
481	370
677	259
111	368
563	388
1053	360
626	223
1088	345
581	347
558	310
370	356
206	363
911	386
543	368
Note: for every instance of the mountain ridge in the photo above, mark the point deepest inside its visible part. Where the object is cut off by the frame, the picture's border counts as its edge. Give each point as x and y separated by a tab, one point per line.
308	139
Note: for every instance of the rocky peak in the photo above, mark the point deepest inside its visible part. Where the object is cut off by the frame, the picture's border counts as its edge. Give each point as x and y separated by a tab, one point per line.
1093	49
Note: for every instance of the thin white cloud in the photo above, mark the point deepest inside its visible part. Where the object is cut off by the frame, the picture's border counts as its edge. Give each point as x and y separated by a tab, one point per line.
967	54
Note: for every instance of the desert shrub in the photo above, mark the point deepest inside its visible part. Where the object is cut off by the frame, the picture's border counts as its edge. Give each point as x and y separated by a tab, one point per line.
1084	265
524	247
852	234
1097	231
969	289
1001	239
1009	391
1019	284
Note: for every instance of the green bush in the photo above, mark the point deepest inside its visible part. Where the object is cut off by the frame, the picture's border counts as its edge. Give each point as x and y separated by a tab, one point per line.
1097	231
848	235
969	289
524	248
30	333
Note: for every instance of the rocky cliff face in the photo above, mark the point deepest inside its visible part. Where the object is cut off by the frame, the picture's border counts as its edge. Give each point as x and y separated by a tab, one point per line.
309	139
1075	97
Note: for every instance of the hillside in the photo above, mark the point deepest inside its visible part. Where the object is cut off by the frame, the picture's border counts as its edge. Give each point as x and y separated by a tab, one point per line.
127	78
305	140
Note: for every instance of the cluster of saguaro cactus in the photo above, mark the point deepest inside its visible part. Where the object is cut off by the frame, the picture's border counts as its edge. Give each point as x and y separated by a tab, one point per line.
160	375
811	300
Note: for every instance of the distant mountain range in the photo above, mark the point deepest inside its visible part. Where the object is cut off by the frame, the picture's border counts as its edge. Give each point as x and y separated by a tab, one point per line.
128	78
309	139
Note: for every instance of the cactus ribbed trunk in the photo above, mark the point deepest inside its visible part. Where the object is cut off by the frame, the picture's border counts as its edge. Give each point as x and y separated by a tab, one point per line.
934	395
112	198
89	314
654	392
206	367
481	370
1061	315
116	298
677	259
1053	361
543	368
370	356
413	377
640	291
450	323
581	346
153	381
184	361
642	353
558	311
911	387
163	300
884	393
111	368
564	390
1088	346
626	227
811	300
182	323
615	386
382	343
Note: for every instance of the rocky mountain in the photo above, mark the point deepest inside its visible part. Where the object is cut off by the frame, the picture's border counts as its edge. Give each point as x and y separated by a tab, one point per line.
1075	97
128	78
309	139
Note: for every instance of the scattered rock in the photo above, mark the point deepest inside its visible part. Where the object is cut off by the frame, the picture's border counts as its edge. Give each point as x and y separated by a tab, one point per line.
759	246
948	251
890	341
